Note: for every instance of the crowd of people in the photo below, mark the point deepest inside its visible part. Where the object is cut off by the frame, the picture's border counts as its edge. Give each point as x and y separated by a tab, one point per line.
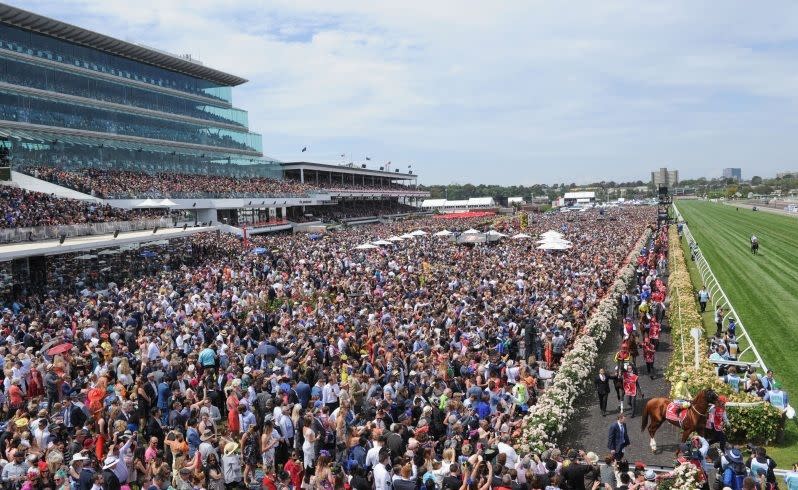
308	364
118	184
22	208
365	188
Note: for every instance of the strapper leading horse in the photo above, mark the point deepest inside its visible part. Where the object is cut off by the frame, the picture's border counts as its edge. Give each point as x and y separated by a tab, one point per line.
695	420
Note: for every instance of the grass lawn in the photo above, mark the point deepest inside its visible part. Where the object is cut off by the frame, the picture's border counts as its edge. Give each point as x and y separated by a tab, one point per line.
762	288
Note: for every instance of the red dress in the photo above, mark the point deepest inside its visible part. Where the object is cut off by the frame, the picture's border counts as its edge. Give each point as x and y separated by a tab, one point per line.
232	414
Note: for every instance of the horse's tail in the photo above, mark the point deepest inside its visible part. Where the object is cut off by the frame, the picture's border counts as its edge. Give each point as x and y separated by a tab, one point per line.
645	417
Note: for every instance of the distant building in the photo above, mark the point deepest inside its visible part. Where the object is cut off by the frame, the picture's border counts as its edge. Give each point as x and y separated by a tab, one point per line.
579	198
666	177
733	173
781	175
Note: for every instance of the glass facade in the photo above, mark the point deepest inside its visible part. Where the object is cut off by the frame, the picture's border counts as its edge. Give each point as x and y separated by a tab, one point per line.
58	69
38	110
19	72
41	46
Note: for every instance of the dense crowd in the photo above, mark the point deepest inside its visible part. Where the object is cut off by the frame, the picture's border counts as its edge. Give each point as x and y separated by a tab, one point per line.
305	363
351	187
22	208
352	209
117	184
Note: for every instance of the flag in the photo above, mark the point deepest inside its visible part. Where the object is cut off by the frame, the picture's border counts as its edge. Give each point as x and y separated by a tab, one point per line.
343	155
368	159
304	149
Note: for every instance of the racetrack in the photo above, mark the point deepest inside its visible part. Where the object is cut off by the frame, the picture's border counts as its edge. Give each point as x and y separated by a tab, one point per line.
762	288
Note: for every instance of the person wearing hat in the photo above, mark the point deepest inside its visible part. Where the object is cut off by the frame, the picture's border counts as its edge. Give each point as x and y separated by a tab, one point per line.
733	469
231	465
681	392
650	480
110	480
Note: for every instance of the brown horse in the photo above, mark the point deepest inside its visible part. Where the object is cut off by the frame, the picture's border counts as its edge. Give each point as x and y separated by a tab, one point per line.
695	421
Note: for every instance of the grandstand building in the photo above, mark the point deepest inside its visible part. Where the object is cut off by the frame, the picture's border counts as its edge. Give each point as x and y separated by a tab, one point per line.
91	117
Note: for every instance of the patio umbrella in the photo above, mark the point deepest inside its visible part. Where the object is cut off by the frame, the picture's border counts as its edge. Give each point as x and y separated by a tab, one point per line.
495	234
366	246
418	233
551	234
471	231
407	236
443	233
520	236
167	203
395	239
59	349
382	242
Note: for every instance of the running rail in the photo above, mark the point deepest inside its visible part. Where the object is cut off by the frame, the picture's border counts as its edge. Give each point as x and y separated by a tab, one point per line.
716	293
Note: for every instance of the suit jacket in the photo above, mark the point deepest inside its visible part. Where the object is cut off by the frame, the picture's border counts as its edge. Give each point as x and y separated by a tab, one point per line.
617	440
77	416
602	387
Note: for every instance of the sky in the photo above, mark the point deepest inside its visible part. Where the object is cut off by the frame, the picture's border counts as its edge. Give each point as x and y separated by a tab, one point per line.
512	92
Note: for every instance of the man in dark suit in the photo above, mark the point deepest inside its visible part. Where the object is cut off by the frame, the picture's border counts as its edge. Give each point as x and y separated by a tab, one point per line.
602	382
73	416
618	437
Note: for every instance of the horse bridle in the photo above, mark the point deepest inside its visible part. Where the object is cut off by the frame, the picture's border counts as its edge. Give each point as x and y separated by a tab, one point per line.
696	411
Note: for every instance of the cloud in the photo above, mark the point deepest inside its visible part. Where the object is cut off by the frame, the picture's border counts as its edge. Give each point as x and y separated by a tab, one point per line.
514	91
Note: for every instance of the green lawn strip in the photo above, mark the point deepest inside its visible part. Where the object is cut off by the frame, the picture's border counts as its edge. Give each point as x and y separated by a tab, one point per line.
761	288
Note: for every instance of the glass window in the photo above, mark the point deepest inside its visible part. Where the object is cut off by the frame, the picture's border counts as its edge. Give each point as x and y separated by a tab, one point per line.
93	59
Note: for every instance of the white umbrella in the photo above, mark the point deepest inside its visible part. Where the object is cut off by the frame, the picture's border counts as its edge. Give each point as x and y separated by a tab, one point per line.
407	236
520	236
551	233
382	242
471	231
395	239
554	246
148	203
167	203
444	233
418	233
495	234
366	246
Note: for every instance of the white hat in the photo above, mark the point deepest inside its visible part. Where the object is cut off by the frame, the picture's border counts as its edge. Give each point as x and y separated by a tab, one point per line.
247	370
79	457
110	462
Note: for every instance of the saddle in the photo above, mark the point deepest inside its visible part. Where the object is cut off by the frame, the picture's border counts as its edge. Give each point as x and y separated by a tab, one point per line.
673	413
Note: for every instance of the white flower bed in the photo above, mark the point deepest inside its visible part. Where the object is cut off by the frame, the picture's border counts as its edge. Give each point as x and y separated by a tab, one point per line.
549	417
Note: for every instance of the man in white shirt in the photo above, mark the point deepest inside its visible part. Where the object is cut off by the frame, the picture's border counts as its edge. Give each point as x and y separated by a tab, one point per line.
504	448
382	477
329	394
373	454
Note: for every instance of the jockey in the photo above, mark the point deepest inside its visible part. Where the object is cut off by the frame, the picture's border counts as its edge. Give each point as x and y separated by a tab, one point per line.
754	239
681	393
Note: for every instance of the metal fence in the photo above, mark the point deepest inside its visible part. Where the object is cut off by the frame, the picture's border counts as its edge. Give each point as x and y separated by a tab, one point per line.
716	294
36	233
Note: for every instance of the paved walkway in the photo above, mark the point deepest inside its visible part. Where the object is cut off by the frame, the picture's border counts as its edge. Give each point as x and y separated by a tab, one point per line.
589	428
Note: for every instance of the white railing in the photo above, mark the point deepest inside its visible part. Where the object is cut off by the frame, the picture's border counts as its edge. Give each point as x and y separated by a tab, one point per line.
716	293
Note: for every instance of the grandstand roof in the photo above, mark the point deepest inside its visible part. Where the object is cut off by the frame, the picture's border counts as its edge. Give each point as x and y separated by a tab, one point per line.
355	169
55	28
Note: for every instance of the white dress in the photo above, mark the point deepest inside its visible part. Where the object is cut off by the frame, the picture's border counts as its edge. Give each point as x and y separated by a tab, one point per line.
308	449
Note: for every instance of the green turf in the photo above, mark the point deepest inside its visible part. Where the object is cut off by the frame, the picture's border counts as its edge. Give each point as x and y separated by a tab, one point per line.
762	288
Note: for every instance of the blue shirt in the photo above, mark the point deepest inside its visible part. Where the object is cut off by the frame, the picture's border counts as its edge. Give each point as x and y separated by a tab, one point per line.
163	394
482	409
207	357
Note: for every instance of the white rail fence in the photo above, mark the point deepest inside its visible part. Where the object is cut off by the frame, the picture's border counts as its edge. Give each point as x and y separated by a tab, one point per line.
718	297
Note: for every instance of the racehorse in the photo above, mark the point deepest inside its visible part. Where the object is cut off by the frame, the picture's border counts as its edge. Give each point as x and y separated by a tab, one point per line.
694	421
754	246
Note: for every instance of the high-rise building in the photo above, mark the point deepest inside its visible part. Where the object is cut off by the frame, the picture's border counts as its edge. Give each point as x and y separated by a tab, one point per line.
665	177
733	173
